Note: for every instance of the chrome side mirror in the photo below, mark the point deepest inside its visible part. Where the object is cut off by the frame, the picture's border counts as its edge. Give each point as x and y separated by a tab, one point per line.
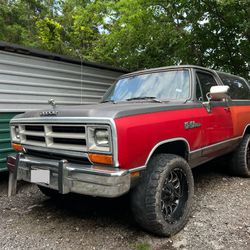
218	93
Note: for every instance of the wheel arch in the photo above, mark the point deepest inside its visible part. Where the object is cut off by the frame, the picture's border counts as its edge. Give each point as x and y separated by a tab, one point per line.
178	146
246	130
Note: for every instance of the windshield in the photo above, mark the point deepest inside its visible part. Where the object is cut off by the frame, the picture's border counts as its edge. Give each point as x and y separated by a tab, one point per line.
173	84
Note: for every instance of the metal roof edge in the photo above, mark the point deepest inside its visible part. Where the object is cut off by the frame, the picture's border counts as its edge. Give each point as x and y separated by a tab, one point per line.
20	49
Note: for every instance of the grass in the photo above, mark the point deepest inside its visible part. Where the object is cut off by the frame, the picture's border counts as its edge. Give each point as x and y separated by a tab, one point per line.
142	246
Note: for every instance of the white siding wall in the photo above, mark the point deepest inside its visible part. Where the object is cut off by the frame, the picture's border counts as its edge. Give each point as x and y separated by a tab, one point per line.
28	82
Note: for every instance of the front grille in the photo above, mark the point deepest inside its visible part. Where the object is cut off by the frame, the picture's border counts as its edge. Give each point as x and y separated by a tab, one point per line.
34	128
68	129
35	138
65	136
70	141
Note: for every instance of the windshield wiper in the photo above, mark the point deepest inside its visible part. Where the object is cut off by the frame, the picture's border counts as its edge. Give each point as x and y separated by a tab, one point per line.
153	98
108	101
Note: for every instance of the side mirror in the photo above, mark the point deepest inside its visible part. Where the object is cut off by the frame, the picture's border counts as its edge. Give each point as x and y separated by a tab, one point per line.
218	93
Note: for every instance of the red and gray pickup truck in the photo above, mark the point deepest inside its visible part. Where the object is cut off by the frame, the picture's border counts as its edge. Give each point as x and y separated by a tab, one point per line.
150	129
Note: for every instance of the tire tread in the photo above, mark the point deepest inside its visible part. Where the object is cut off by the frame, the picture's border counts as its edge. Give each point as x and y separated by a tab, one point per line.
238	161
144	195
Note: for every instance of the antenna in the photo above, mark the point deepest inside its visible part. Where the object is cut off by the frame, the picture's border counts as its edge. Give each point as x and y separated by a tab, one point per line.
81	59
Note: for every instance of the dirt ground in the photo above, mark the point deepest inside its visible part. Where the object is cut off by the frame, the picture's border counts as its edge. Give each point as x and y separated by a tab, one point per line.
220	218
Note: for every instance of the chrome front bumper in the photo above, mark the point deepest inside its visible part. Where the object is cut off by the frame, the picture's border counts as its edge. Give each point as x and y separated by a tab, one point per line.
70	177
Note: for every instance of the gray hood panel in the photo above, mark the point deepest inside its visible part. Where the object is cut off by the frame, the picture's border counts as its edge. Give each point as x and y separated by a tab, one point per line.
109	110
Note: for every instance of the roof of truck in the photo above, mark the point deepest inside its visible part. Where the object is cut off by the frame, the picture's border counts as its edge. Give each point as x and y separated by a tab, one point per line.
188	66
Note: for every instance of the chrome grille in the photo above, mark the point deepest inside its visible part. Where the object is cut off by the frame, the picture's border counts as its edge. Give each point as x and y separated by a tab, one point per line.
58	136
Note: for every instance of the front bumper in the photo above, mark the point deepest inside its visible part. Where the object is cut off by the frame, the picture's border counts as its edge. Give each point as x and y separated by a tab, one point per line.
70	177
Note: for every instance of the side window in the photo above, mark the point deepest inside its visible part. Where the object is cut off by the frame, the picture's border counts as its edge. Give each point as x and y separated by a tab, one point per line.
206	82
238	87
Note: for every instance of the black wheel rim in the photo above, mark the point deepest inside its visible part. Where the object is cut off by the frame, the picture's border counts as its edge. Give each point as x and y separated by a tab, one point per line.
174	195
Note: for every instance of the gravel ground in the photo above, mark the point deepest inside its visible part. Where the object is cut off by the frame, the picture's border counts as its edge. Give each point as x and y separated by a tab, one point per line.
220	219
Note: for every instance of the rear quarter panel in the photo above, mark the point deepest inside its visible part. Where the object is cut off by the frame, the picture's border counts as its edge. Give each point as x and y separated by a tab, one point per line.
240	117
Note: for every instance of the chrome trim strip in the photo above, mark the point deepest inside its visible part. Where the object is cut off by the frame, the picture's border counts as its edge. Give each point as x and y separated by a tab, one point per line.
62	120
216	144
104	172
137	169
189	152
165	141
115	142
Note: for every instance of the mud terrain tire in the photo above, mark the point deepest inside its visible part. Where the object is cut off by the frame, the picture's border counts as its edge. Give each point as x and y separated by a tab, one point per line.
161	202
240	160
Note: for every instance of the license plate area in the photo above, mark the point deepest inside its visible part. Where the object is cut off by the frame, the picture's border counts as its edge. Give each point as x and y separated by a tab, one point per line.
40	176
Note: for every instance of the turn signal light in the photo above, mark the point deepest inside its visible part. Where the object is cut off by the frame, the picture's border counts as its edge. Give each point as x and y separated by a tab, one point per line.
101	158
17	147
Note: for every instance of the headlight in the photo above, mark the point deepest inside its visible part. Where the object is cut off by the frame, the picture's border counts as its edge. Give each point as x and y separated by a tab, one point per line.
99	138
15	133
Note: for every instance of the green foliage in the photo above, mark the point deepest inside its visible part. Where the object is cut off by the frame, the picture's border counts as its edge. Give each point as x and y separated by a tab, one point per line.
142	246
19	20
81	21
49	32
135	34
213	33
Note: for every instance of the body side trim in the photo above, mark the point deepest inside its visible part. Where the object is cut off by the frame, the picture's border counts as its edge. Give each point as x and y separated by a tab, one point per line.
205	154
189	152
215	144
238	102
166	141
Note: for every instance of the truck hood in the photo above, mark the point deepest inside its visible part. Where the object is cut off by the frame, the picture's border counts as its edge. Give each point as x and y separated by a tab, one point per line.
108	110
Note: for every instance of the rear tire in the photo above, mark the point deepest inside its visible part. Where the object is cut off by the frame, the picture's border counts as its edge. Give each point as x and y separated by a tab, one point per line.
161	202
240	161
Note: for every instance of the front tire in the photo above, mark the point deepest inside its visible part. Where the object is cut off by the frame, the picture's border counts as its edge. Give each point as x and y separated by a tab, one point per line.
240	161
161	202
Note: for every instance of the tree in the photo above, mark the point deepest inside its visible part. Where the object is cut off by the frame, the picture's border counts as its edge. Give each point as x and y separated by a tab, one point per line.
135	34
18	19
212	33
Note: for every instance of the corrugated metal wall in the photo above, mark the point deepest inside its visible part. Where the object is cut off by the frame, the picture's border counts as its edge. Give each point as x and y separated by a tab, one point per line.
27	82
29	78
